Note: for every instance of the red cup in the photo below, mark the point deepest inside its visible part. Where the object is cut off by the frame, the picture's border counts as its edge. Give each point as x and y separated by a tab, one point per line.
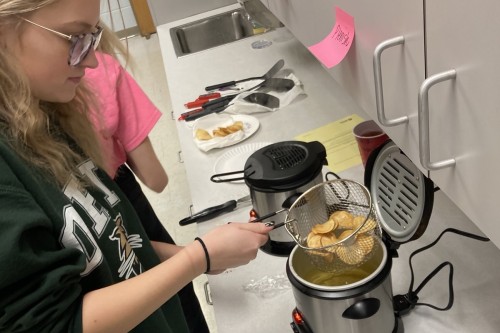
369	137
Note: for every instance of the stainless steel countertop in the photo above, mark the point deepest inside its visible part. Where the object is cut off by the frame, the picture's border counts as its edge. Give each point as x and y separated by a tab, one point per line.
477	270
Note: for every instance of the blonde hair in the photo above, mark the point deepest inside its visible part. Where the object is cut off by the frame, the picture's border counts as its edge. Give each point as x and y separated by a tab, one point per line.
43	133
111	44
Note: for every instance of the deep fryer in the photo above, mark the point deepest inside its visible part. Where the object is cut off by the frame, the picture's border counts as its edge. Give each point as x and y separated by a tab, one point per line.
402	199
275	175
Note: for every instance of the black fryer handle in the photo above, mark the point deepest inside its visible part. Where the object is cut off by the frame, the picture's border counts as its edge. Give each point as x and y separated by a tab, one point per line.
362	309
217	177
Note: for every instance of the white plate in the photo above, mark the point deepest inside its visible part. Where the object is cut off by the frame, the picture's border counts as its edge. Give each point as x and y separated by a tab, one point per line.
234	159
213	121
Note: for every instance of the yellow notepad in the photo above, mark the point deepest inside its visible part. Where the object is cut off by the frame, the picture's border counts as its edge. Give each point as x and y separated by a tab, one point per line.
341	148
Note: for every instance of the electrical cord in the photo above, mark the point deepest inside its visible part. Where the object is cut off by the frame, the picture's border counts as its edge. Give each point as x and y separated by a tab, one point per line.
403	304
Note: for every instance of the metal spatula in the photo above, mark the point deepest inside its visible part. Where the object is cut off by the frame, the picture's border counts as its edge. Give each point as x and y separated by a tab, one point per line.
276	84
270	73
263	99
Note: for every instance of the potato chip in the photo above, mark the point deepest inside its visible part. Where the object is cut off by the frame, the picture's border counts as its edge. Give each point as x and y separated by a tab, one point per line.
329	239
323	228
201	134
220	132
313	240
345	234
365	243
225	131
237	126
351	251
351	254
369	225
344	219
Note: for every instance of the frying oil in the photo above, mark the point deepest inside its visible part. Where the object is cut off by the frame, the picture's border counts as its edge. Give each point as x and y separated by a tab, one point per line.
312	275
332	280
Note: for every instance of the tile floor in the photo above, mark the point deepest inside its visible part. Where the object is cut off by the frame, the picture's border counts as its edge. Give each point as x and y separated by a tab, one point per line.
173	203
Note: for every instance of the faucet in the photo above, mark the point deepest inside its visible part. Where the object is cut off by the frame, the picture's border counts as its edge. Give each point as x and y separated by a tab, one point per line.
260	13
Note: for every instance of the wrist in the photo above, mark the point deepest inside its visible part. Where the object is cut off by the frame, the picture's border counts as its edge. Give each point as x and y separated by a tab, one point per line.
207	255
196	256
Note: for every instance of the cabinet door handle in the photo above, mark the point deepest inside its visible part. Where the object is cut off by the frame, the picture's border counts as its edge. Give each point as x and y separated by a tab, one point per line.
423	121
379	89
208	296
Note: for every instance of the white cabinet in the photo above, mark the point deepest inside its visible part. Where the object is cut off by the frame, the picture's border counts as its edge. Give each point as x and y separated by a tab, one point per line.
265	2
464	112
402	66
309	21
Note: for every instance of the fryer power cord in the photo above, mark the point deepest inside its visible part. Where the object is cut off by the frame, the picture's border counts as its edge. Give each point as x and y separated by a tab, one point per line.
403	304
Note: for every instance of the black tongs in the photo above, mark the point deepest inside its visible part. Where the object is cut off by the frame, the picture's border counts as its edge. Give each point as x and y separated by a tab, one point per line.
213	106
219	104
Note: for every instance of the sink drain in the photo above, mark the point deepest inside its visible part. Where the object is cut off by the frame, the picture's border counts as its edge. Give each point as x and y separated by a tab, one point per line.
261	44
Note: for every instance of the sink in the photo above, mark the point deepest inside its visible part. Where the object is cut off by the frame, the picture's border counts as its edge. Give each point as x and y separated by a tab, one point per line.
211	32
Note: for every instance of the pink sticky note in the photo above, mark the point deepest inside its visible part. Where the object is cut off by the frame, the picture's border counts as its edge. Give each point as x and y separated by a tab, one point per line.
334	47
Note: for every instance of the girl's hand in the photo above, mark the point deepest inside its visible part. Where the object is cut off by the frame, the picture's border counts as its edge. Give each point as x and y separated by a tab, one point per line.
234	244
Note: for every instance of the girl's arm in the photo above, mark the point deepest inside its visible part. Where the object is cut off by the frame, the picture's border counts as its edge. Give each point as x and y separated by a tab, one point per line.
230	245
165	250
146	166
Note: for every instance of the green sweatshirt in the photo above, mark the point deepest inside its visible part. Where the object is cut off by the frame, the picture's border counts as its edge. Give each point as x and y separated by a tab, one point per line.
56	245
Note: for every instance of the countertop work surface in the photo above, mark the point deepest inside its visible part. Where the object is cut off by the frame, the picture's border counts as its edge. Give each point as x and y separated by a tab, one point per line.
257	297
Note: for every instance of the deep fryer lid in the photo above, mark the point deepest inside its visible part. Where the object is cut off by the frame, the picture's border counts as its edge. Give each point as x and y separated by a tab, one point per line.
402	195
284	165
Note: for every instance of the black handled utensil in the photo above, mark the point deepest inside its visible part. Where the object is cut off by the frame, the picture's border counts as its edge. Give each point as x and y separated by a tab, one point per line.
221	100
270	73
214	107
211	212
263	99
204	112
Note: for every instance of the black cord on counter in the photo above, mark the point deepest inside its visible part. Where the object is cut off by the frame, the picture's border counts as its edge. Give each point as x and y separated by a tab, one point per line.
403	304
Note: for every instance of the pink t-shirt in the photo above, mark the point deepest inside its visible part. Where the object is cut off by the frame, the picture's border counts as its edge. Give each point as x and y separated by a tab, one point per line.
128	115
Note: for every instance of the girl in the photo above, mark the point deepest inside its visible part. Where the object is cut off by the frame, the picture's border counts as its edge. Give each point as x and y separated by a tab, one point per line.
128	116
73	255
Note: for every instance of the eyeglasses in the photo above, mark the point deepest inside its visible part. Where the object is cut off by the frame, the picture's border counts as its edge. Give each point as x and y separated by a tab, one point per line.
80	44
